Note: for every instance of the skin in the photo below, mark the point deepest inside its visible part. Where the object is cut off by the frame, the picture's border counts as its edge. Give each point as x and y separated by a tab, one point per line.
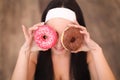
60	57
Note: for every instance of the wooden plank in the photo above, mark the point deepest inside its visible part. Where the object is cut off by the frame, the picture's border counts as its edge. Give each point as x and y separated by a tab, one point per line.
102	19
15	13
1	58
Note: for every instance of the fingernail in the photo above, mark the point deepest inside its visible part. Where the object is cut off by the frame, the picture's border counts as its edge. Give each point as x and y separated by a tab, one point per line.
81	31
36	27
42	23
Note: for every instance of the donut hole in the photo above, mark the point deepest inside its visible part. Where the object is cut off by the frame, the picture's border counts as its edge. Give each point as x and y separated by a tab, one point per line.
44	37
72	39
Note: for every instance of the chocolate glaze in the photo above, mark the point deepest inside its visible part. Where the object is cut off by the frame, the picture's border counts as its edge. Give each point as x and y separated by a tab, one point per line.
72	39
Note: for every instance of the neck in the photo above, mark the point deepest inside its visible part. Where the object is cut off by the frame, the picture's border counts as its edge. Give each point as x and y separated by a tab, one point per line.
61	64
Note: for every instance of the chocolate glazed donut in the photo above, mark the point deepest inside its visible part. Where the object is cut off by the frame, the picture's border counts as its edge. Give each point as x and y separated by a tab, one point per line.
72	39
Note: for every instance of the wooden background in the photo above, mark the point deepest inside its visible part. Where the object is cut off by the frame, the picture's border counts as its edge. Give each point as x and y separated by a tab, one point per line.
102	18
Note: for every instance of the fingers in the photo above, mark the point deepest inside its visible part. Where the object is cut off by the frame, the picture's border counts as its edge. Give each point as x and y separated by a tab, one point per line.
38	25
76	25
35	27
83	30
26	34
35	47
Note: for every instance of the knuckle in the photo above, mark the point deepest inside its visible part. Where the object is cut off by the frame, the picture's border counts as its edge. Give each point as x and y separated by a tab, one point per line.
84	28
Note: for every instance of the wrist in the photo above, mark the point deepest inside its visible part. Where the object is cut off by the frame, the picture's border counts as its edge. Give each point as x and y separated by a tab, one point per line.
95	49
25	51
93	46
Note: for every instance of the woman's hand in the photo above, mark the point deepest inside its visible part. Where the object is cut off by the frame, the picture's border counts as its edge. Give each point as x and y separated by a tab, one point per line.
29	44
88	43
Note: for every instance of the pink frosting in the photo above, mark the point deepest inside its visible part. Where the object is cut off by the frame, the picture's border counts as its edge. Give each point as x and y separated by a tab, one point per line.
45	37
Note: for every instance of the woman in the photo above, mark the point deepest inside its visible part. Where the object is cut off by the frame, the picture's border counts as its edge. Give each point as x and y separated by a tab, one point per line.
57	63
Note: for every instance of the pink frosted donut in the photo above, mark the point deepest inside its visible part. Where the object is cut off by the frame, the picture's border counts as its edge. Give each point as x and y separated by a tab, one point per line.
45	37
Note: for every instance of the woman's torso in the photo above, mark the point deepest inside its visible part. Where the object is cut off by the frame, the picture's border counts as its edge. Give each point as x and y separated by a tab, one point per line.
78	69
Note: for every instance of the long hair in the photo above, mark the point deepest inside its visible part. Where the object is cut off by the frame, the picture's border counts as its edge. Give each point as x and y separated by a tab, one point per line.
78	64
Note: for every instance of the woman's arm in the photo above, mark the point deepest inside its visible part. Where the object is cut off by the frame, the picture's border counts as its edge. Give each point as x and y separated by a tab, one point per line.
26	64
25	57
21	68
98	66
32	65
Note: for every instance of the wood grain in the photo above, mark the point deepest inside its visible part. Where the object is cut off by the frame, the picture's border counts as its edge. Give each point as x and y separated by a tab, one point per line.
102	18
